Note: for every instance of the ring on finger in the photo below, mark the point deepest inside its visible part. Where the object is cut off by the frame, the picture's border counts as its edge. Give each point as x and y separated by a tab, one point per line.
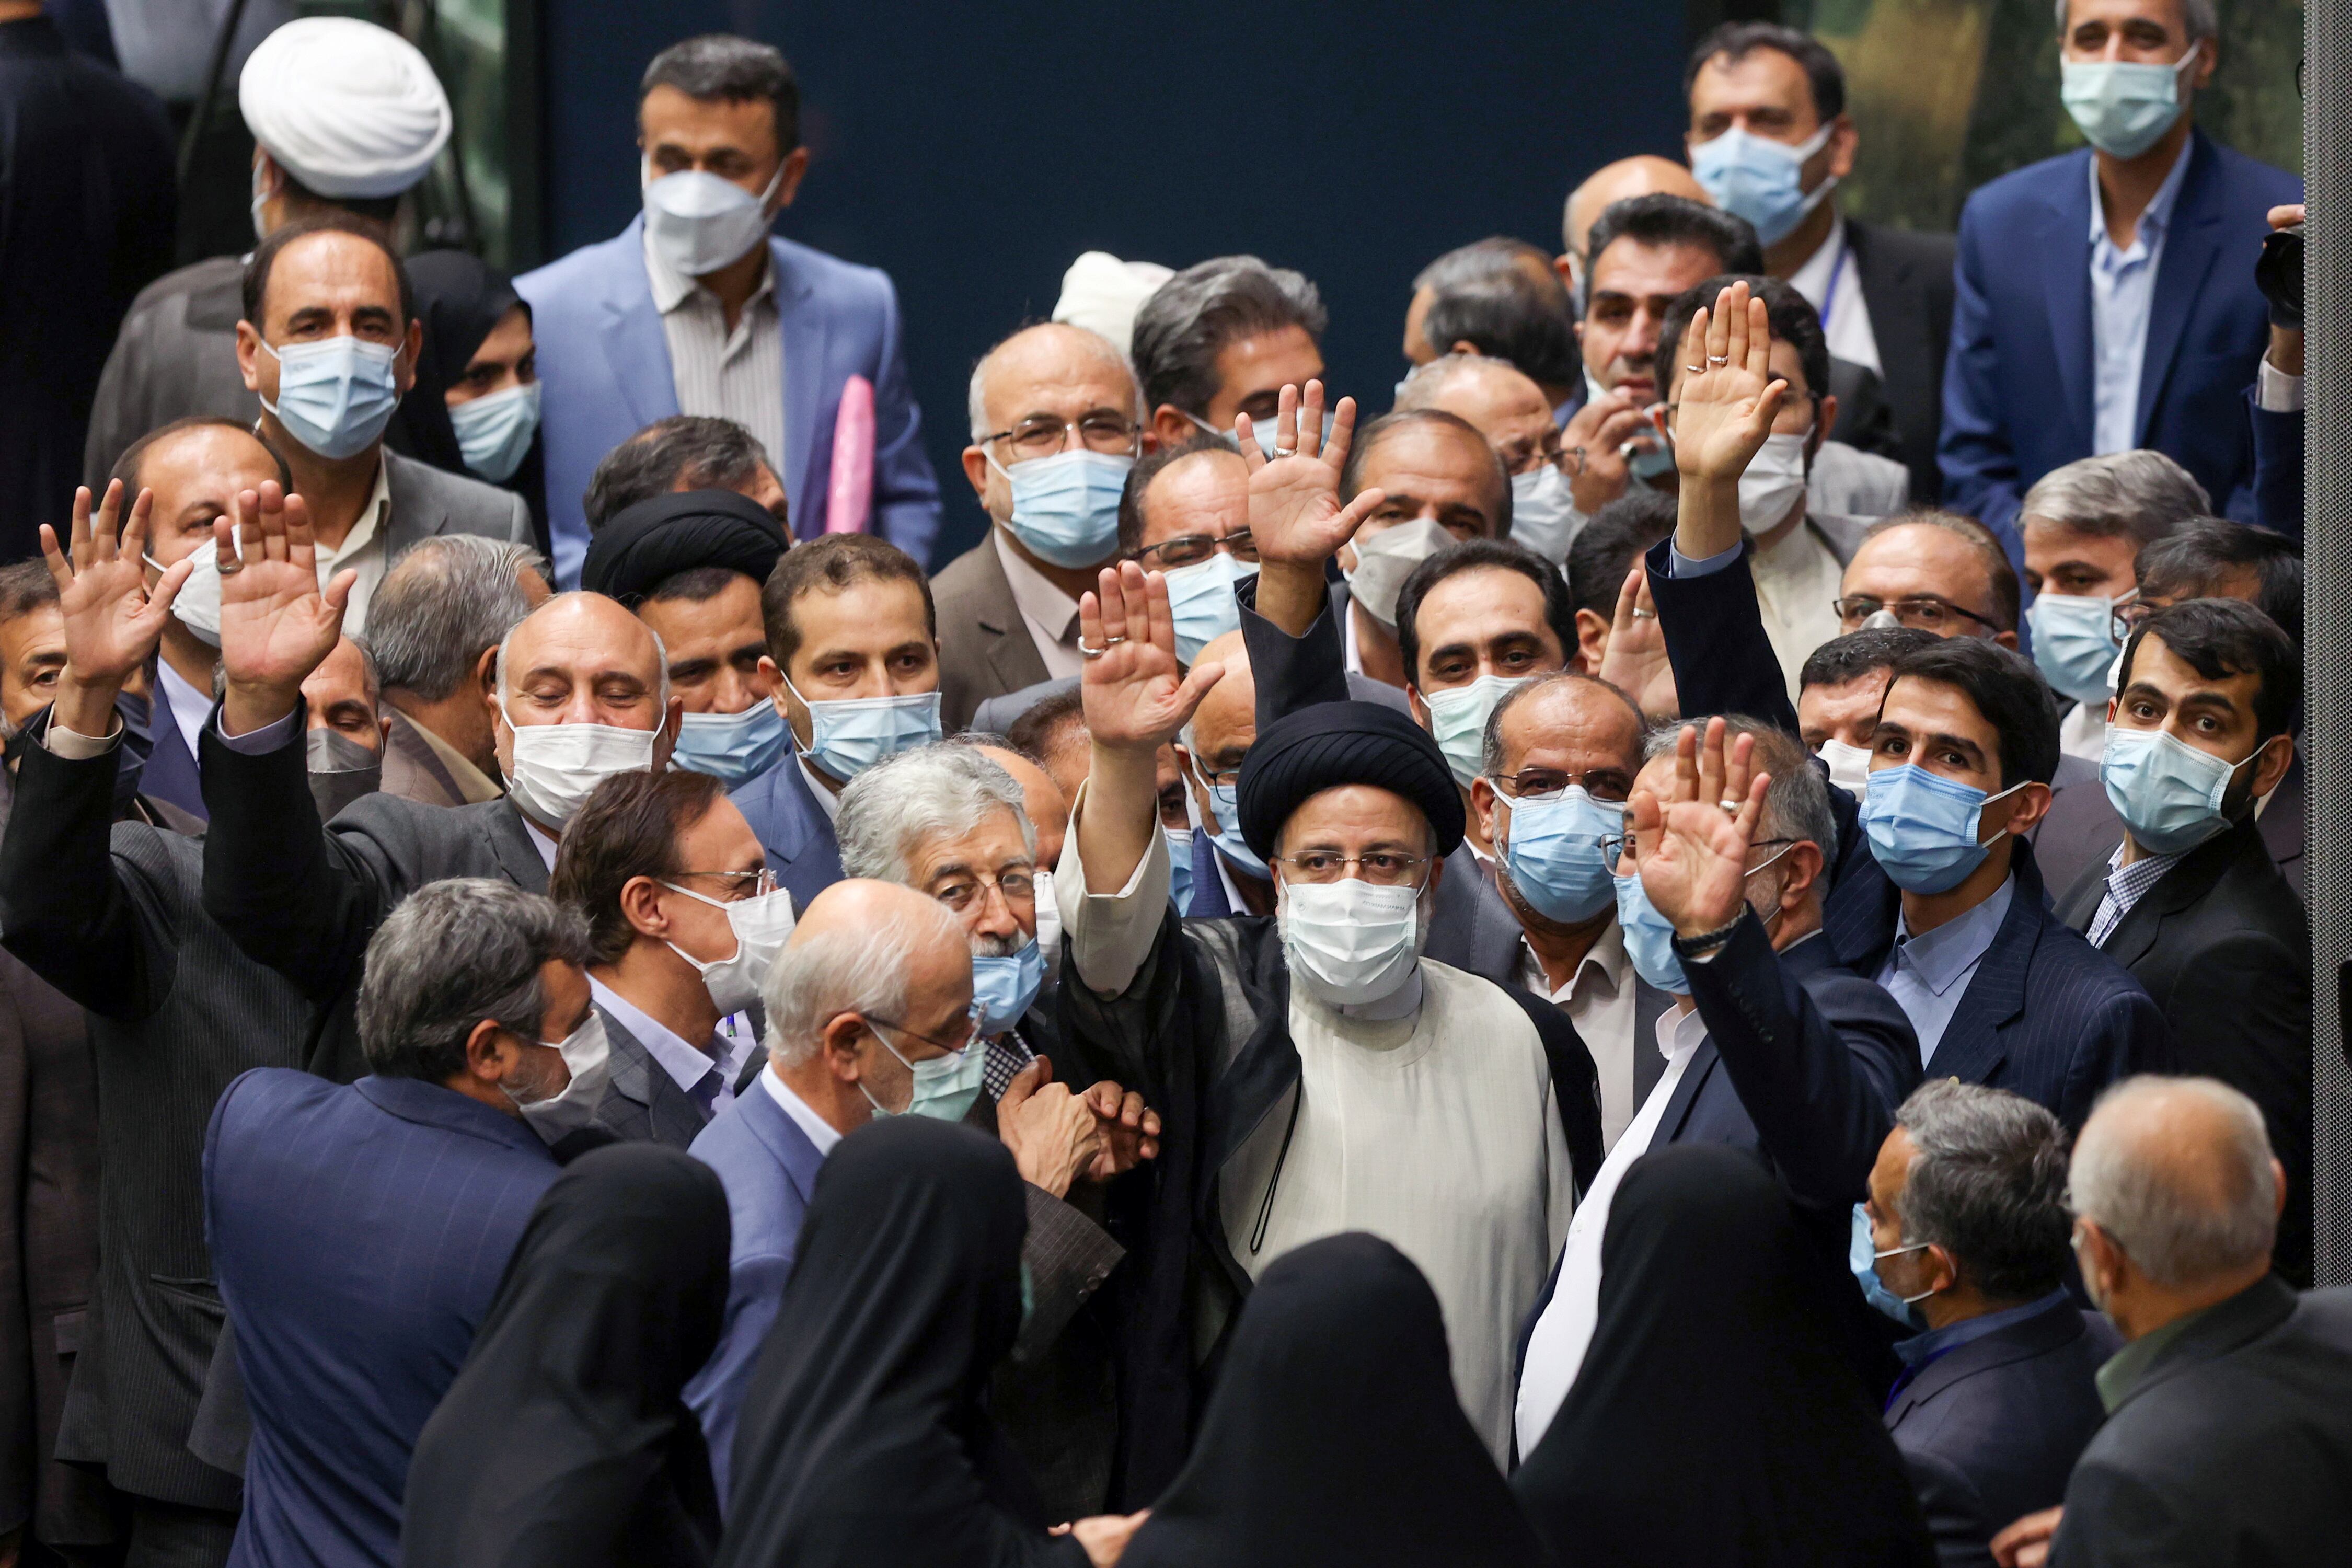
1641	615
1286	451
231	569
1108	644
1718	359
1731	805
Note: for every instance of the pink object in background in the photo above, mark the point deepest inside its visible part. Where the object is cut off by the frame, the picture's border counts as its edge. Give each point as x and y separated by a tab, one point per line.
851	496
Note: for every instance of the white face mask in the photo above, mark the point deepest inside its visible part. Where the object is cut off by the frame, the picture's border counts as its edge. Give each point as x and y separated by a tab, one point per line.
1049	925
198	603
1849	765
1351	942
588	1053
761	924
1384	560
1773	484
697	223
1543	512
558	766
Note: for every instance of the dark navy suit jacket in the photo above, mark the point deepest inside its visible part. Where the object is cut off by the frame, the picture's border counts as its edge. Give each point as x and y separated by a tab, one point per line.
2018	384
1992	1429
2278	468
793	829
359	1232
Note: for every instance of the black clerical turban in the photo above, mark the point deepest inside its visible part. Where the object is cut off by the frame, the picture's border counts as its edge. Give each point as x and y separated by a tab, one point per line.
1335	744
643	546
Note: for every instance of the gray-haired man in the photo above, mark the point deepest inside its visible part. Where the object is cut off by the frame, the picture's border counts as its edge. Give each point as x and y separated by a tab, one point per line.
437	616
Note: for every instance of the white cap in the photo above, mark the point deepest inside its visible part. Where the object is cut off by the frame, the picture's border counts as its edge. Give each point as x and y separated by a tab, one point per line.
346	107
1102	294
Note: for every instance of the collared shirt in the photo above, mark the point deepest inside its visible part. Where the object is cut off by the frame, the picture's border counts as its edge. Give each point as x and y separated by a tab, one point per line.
1830	282
2083	733
1928	975
826	801
362	549
821	1133
189	708
737	375
1002	1058
2126	885
1051	615
2275	392
687	1063
1919	1350
2124	1369
1562	1335
2123	291
1598	1000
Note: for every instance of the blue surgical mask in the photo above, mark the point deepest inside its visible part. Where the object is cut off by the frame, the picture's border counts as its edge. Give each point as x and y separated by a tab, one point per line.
1861	1259
734	748
2168	792
1543	512
2073	643
1180	869
1226	802
335	396
1760	179
945	1085
1649	937
2123	107
1551	851
1923	827
1065	507
1003	988
1263	429
495	431
1201	601
850	734
1457	721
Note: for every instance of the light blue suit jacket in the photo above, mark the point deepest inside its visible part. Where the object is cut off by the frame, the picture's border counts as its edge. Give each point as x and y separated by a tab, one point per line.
604	360
793	829
769	1168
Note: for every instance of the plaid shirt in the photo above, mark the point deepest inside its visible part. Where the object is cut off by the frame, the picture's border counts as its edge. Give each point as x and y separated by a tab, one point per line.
1007	1054
2126	885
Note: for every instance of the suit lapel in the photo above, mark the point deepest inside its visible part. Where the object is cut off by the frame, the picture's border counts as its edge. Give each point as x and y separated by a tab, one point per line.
2179	888
632	1066
2190	249
1650	1005
1670	1126
783	1137
1012	653
1973	1047
414	517
804	333
636	347
170	772
2066	246
1898	312
511	842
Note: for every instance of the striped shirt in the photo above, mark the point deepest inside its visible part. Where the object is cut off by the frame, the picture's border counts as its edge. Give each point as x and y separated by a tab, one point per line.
737	375
2126	885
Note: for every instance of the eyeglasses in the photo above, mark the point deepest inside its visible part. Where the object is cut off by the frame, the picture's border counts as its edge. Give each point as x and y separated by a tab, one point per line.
970	888
1542	783
1213	778
1613	848
2127	618
1381	867
1172	554
1927	612
755	883
1049	433
954	1048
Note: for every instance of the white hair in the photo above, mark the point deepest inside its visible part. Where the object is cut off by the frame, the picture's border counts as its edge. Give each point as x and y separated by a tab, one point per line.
848	968
2179	1219
661	651
976	394
2197	17
944	790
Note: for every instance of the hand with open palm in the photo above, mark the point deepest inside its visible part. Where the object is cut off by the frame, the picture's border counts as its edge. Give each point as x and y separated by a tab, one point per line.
1729	396
113	621
1295	515
1692	847
276	624
1136	696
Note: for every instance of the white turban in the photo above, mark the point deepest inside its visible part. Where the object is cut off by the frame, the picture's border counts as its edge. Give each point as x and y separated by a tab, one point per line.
347	108
1102	294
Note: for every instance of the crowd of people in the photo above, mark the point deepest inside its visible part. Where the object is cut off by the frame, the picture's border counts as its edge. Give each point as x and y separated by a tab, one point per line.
1687	947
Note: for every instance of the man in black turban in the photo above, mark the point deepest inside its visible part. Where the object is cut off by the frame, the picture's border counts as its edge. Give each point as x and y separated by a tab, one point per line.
1315	1071
691	563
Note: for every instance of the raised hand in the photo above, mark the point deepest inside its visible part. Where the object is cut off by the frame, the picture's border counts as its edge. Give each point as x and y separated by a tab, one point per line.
1692	847
1136	696
276	624
1730	396
113	619
1294	513
1635	660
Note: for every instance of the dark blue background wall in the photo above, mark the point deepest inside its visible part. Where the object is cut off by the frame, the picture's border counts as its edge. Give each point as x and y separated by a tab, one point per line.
973	149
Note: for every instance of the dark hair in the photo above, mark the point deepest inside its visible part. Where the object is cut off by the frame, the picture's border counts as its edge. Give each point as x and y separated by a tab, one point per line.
1502	297
1733	41
2008	693
2001	576
836	562
706	453
1369	436
25	586
1477	555
300	198
1988	1184
1190	320
1794	321
1605	549
629	828
720	66
1149	467
1033	734
2193	564
126	467
258	265
695	585
2222	638
1857	654
1660	219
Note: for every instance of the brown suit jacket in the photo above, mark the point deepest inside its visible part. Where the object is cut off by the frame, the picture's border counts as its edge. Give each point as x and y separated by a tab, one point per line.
411	769
985	648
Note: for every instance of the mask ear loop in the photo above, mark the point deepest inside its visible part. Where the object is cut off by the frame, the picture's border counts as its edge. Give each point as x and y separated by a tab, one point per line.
1983	842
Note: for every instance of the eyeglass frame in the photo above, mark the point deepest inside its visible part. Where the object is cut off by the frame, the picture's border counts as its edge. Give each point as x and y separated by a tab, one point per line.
1134	440
986	880
971	1019
1218	544
1575	780
1941	602
765	885
1613	846
2129	614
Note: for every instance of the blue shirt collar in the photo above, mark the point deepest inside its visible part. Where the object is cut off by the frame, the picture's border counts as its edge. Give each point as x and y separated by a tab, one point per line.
2158	215
1920	1349
1941	957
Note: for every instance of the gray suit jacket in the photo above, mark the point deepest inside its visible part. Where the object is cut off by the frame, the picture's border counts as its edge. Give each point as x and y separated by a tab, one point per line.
1851	482
427	502
412	769
645	1103
985	648
175	356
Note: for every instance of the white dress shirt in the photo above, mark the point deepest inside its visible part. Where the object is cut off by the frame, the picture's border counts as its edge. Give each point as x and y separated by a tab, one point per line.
1051	615
737	375
189	708
826	801
2083	733
1830	282
1598	1000
820	1132
1556	1349
2123	291
2275	392
687	1063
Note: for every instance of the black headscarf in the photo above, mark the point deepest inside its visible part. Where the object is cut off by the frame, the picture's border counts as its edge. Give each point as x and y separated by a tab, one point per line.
1335	1436
643	545
1335	743
564	1442
460	300
863	1442
1715	1423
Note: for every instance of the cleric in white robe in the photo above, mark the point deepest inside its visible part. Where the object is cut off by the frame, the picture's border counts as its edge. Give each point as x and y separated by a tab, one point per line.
1315	1074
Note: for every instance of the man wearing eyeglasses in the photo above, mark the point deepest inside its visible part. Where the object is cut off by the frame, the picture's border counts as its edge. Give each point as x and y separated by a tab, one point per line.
1056	428
1936	571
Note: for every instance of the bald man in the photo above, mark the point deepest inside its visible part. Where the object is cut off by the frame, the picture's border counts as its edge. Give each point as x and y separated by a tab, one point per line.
1055	427
579	691
1645	174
